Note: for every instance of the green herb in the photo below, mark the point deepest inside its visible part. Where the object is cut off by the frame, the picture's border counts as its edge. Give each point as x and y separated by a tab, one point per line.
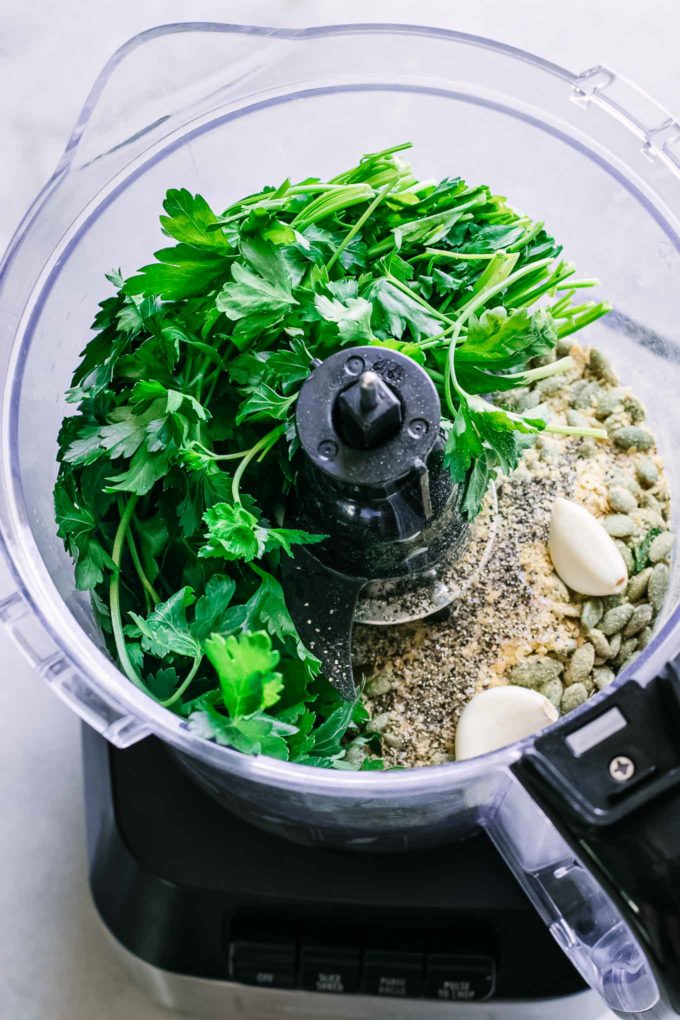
641	551
175	471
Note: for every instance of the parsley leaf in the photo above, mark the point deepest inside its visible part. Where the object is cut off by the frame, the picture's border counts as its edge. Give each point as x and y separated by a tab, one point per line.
260	290
189	218
236	534
246	668
396	312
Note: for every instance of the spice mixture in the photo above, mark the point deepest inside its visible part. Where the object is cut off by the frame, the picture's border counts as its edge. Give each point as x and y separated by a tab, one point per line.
517	622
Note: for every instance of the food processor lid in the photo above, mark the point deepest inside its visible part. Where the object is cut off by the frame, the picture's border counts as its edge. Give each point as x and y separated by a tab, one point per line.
121	132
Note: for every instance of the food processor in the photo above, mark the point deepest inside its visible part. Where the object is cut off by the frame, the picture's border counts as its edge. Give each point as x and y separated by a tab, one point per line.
235	885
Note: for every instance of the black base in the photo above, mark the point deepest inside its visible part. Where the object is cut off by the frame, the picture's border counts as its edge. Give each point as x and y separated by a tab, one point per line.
189	888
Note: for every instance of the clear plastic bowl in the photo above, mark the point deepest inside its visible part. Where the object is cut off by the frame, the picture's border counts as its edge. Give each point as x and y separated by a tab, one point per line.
222	110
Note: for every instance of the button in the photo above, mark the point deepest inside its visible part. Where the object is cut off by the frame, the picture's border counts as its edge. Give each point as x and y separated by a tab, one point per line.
329	968
394	973
267	964
459	978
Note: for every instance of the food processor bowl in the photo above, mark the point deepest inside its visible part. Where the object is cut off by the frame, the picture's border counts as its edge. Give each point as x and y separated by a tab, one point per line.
222	110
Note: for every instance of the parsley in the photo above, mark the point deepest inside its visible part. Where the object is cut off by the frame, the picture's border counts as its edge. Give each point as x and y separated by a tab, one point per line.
175	469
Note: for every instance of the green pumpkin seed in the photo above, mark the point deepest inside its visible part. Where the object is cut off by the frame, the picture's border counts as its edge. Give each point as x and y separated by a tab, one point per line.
619	525
574	696
616	619
647	472
634	408
659	583
600	365
552	690
640	619
615	645
591	613
600	644
661	547
534	671
621	500
603	677
632	437
637	586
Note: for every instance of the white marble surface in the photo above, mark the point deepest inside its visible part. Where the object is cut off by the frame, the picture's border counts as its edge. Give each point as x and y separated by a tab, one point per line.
53	962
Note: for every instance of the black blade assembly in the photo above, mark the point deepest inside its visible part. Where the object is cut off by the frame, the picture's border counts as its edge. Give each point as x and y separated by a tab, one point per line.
373	480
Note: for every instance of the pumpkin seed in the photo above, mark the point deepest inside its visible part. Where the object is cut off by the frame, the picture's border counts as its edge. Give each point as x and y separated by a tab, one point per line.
600	365
552	690
600	643
615	645
634	408
621	500
647	472
603	677
637	585
619	525
583	395
616	619
640	619
574	696
625	652
580	664
592	612
659	583
535	670
632	437
576	419
608	402
661	547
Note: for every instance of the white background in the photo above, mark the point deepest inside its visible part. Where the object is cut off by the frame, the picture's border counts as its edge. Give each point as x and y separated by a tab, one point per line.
53	962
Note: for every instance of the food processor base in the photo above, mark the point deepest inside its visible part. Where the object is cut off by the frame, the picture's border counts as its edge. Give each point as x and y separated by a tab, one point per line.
214	917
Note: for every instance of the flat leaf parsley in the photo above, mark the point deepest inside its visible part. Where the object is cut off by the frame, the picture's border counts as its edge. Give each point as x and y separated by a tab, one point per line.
175	470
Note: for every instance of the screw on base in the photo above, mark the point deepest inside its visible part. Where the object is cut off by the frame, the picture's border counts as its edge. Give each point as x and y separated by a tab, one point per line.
621	768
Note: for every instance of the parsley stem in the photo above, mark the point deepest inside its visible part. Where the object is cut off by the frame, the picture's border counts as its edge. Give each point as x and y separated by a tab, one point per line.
440	253
576	430
472	306
578	284
114	594
185	683
528	236
264	445
137	563
578	322
543	372
221	456
362	219
479	300
328	204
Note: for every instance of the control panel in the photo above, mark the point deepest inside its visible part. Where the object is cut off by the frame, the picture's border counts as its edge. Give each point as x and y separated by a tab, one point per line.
269	960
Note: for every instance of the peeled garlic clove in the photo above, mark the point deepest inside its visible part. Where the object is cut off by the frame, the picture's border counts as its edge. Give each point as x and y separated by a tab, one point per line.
583	554
500	716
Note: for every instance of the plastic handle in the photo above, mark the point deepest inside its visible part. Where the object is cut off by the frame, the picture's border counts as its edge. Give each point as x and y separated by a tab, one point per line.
608	781
37	645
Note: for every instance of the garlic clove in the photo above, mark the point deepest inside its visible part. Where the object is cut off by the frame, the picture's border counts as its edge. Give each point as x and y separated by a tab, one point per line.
500	716
583	554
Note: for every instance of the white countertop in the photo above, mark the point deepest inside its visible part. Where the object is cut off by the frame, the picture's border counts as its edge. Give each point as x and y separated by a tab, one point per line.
53	961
